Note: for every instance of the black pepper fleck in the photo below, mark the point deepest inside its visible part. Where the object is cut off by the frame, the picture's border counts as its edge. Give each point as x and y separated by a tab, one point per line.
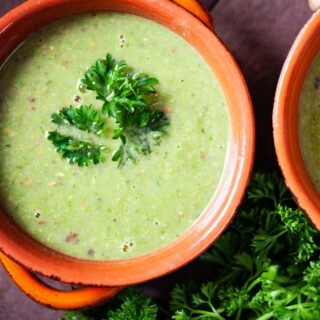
91	252
76	98
125	248
37	215
316	83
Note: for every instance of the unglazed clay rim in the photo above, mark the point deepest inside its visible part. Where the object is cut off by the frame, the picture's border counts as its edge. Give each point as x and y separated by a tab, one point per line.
285	118
227	197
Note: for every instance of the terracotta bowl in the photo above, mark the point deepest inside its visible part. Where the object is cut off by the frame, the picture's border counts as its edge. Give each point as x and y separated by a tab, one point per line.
285	118
30	255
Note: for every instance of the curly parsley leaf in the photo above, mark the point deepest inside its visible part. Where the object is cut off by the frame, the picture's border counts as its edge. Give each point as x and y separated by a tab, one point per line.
77	151
105	76
85	118
118	86
266	264
129	98
132	304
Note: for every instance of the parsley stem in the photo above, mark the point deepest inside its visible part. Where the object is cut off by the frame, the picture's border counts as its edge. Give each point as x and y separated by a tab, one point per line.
301	305
267	316
205	314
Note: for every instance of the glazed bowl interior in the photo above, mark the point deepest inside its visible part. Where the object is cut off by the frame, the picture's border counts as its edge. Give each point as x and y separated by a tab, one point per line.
286	112
18	24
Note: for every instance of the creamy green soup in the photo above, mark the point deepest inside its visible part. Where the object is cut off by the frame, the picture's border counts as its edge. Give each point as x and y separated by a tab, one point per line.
103	212
309	122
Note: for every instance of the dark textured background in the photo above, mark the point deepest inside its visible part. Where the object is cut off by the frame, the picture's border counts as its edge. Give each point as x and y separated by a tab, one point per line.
259	33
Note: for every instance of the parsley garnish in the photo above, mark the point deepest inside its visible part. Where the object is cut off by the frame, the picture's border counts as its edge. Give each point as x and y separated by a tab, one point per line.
132	304
77	151
119	87
84	118
129	98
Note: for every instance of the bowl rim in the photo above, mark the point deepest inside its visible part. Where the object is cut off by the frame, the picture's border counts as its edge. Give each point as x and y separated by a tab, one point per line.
285	118
228	195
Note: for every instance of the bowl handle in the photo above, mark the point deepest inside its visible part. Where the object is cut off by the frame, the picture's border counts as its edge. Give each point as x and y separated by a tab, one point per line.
198	10
57	299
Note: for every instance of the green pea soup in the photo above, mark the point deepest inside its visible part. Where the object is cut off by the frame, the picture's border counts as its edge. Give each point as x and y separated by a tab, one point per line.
102	212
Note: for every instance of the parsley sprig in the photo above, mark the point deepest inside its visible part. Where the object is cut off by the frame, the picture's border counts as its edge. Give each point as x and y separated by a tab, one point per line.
266	266
85	118
129	99
129	305
76	151
120	89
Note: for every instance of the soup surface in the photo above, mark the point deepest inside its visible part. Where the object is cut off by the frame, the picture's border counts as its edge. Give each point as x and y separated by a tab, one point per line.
103	212
309	122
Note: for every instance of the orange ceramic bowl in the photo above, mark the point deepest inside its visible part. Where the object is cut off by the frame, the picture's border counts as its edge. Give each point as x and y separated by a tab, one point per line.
14	28
285	118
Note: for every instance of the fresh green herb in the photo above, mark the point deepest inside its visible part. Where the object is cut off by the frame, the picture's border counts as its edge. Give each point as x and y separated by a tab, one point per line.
136	140
133	305
76	151
130	305
84	118
129	98
266	266
118	87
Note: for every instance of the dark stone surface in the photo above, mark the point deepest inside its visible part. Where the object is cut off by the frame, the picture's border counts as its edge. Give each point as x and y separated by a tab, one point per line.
259	34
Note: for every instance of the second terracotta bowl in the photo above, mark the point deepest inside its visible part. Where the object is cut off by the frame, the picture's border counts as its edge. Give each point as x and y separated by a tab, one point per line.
285	118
